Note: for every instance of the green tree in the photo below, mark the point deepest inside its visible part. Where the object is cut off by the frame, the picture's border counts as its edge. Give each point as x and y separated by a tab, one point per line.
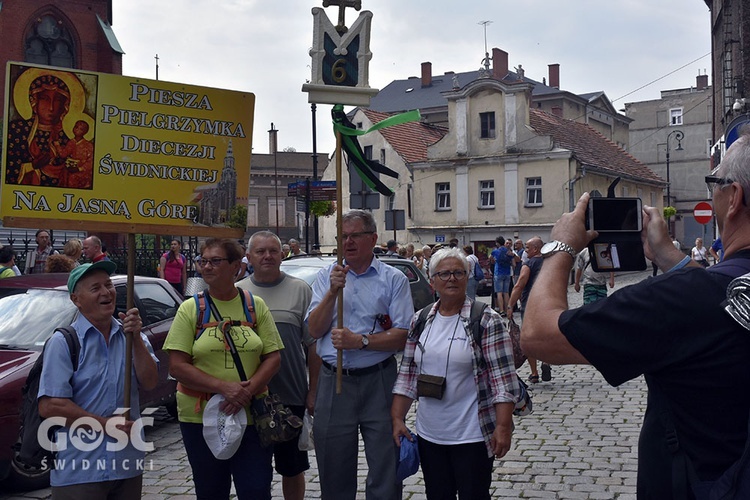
238	217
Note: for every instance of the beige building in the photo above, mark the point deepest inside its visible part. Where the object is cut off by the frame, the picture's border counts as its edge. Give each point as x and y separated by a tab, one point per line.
496	154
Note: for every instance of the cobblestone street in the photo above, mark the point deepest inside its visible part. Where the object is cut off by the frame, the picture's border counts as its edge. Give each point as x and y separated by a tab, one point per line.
580	443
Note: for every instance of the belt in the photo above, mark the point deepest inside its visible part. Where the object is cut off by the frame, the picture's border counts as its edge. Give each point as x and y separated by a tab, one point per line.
357	372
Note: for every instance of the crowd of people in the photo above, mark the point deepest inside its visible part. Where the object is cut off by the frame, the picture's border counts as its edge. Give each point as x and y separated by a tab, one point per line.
331	351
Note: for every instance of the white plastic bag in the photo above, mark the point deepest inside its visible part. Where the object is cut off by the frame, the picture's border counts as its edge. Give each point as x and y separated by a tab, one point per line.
306	442
223	433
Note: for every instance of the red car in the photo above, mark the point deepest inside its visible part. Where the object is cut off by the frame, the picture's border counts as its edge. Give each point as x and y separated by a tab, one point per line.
31	308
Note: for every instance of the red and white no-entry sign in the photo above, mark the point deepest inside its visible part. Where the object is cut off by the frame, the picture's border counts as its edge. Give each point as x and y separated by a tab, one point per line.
703	213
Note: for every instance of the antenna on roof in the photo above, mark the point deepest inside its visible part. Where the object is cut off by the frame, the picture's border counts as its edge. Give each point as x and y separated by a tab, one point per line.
487	58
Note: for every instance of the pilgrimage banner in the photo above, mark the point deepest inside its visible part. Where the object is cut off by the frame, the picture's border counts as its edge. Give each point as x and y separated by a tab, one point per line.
102	151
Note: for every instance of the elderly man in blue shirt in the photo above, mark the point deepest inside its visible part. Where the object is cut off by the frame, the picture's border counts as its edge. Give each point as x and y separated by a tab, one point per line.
108	464
378	310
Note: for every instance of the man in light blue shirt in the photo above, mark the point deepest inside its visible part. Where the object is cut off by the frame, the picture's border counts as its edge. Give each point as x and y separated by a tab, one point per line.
99	456
378	310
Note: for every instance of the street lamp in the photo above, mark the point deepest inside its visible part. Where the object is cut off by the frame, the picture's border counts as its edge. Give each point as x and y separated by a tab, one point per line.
677	135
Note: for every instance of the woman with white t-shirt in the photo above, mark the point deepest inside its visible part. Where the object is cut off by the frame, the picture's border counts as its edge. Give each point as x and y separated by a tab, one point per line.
464	423
699	253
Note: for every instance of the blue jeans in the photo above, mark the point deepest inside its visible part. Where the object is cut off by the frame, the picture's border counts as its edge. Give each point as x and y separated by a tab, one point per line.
501	283
250	467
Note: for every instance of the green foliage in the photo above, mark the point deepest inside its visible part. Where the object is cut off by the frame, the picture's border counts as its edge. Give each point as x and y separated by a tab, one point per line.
669	212
238	217
322	208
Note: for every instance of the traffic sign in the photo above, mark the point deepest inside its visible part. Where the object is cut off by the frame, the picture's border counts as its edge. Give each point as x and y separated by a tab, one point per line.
703	213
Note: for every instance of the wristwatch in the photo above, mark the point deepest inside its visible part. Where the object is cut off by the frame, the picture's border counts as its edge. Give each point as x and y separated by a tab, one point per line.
365	342
555	246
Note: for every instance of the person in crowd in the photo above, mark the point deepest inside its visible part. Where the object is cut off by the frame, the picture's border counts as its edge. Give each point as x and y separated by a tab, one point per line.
717	250
453	243
460	434
699	253
594	284
427	253
377	308
294	248
391	247
73	249
402	252
471	286
409	250
59	264
35	259
287	298
173	267
246	269
526	279
672	329
92	249
419	260
7	262
198	361
96	391
502	258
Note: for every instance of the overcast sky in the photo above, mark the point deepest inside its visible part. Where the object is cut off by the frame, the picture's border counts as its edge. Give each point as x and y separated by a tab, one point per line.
261	46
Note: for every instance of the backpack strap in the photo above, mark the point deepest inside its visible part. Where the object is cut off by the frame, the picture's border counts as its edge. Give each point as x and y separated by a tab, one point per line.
74	345
421	321
203	311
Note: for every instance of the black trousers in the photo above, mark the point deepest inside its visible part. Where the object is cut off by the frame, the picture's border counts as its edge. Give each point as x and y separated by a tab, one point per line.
463	469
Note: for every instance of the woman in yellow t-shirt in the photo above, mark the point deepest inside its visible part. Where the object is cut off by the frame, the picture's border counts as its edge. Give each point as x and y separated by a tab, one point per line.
203	367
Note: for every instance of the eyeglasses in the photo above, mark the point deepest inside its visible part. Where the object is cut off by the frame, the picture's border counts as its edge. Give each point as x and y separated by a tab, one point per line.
445	275
214	262
712	180
354	236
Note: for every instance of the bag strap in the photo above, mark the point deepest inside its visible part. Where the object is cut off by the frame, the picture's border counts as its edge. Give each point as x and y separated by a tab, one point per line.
225	326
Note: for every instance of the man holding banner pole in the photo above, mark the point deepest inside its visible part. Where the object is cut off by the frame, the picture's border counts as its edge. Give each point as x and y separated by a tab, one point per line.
378	309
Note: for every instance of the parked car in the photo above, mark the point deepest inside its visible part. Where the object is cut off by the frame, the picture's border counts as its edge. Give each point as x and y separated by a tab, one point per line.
31	308
306	267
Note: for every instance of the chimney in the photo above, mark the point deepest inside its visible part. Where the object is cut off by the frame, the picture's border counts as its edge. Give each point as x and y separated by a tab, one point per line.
554	75
273	141
701	82
499	64
426	74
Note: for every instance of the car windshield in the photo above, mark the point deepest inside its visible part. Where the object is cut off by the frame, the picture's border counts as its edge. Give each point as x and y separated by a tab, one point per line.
28	318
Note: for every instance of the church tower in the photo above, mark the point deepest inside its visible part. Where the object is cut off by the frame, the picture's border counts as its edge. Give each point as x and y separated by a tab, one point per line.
67	33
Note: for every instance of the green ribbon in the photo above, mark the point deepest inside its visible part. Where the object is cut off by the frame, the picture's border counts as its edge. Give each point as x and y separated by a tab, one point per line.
365	168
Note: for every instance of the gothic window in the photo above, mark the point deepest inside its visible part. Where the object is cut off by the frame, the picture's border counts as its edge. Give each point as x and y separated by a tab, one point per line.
49	42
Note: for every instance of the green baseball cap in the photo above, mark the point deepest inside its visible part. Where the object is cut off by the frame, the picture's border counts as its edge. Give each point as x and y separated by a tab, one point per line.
82	270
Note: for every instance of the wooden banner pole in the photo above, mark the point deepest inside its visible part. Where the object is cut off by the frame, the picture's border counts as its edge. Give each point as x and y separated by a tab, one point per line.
339	258
130	303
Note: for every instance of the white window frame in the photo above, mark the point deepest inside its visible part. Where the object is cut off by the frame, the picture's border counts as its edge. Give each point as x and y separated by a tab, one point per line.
252	212
442	196
486	194
675	117
272	203
533	191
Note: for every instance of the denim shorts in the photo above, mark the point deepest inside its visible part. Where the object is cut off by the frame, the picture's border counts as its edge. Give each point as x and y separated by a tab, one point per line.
502	283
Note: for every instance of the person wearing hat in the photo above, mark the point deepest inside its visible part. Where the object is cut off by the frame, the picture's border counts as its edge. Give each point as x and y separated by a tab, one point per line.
92	395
